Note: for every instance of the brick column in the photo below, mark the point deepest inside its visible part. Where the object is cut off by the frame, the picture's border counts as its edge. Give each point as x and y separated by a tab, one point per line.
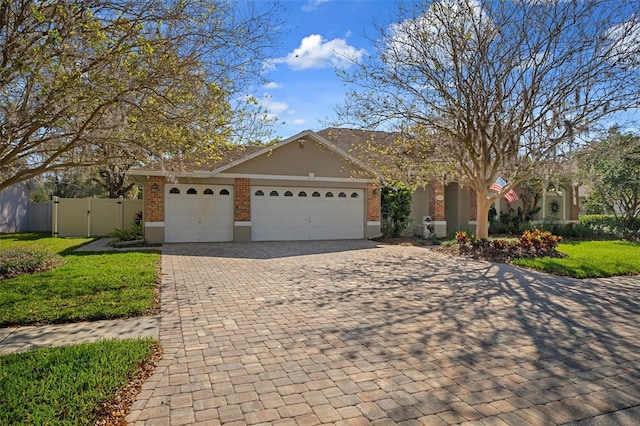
473	204
436	207
154	199
373	202
242	192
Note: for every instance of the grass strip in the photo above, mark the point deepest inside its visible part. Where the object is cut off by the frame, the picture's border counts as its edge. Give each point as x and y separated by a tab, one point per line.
590	259
68	385
88	286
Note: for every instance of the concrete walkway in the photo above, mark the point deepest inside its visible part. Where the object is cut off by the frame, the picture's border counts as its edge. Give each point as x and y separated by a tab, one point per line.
20	339
350	332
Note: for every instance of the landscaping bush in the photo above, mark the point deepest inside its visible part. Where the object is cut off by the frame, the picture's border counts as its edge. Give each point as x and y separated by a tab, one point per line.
609	225
18	261
573	231
531	244
133	233
396	209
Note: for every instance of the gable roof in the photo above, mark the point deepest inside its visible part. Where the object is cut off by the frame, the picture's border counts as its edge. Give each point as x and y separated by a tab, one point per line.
234	155
302	136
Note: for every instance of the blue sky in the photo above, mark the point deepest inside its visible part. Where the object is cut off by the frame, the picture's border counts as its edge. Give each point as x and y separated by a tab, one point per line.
304	89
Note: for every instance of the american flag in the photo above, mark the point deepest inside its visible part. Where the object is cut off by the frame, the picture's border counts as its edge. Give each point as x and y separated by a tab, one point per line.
500	183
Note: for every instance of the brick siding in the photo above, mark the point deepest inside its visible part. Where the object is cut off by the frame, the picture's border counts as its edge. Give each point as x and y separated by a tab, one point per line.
242	191
373	202
154	199
436	207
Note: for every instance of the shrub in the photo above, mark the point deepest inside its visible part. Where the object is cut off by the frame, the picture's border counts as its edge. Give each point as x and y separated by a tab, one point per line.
19	261
463	238
538	243
531	244
396	209
134	232
610	225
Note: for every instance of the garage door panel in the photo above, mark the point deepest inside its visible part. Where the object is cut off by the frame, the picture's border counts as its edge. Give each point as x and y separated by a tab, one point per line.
306	218
199	217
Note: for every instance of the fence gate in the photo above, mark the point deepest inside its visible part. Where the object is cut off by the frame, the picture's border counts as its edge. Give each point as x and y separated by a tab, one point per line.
91	217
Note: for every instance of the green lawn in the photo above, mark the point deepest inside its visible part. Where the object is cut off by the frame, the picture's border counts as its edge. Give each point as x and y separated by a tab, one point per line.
67	385
590	259
88	286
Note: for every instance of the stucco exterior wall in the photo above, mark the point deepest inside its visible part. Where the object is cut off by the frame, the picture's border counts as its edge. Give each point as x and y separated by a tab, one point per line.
296	159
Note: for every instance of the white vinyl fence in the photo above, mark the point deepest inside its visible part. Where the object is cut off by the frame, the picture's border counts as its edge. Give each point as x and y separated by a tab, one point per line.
83	217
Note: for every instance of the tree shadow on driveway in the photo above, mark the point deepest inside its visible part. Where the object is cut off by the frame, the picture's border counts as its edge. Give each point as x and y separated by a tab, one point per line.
475	332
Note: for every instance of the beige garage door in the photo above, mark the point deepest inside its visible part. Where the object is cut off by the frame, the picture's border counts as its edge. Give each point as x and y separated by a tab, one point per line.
198	213
293	213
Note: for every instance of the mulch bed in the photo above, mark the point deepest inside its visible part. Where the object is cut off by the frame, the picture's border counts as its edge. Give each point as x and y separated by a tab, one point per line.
481	253
114	413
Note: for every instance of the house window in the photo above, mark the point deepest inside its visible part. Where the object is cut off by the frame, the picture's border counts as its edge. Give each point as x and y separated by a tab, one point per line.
191	191
342	195
329	195
315	194
224	192
259	193
208	191
288	194
354	195
274	193
302	194
174	191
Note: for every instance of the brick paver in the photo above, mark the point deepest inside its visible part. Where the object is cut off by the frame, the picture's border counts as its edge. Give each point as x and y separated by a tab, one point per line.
350	332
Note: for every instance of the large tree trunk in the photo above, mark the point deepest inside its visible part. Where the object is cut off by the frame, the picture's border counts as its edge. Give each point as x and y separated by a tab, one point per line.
482	217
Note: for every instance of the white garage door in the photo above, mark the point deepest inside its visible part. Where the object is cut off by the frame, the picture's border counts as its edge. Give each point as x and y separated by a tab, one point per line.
198	213
290	213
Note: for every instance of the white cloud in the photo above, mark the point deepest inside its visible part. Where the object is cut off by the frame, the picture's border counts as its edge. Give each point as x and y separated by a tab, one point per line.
316	52
274	108
272	85
625	42
313	5
426	37
299	121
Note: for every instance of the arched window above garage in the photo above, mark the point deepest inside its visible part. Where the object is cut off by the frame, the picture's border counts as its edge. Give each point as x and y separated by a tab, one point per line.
302	194
192	191
259	193
354	195
342	195
208	191
315	194
224	192
274	193
288	194
329	194
174	190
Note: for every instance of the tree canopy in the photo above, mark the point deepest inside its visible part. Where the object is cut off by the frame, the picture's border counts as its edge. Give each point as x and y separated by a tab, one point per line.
610	167
499	88
95	82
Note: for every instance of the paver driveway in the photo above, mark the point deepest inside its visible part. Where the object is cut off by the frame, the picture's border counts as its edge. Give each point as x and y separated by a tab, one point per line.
355	333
